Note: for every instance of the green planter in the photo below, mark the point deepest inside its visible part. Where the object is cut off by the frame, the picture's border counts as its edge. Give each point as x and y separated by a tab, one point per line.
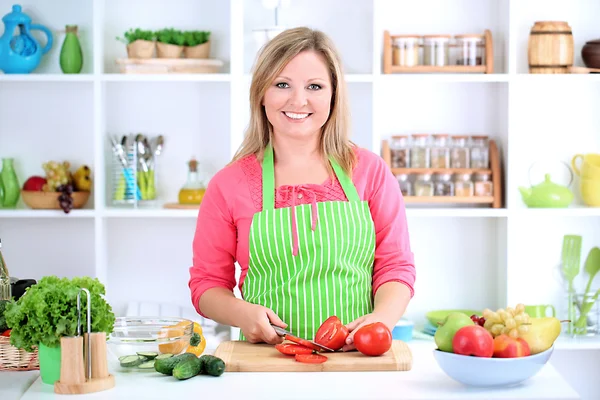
49	363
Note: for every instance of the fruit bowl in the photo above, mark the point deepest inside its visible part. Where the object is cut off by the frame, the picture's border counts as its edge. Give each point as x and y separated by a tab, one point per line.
147	337
39	200
490	372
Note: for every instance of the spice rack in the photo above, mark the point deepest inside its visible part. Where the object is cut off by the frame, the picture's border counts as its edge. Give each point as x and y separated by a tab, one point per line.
477	193
438	53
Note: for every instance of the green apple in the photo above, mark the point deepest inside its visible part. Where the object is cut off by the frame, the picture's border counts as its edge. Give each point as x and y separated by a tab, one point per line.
446	331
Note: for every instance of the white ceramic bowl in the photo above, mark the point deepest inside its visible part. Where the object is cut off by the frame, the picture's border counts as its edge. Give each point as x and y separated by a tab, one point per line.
489	372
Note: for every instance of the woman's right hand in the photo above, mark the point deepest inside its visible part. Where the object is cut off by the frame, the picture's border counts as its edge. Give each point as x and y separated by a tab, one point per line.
255	322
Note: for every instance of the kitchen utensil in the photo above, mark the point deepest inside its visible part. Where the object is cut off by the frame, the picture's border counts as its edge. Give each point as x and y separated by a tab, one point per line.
22	53
304	342
149	159
571	256
591	267
547	194
83	365
119	152
242	356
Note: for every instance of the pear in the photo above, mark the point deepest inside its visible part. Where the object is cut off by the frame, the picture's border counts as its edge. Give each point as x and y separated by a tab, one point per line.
541	334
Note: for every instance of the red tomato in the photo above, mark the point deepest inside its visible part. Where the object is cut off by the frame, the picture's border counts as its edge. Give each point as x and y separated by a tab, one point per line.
373	339
311	358
473	340
292	349
332	333
6	333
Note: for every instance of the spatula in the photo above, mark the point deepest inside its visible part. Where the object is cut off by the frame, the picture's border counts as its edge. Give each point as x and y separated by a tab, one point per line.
591	267
571	258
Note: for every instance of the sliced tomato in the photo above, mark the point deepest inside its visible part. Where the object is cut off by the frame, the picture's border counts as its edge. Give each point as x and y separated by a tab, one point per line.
6	333
311	358
290	349
332	333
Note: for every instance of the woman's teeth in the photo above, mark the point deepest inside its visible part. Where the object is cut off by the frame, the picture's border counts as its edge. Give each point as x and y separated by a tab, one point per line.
296	116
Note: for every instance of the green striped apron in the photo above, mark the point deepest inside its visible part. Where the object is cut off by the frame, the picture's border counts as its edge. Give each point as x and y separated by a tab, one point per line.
311	261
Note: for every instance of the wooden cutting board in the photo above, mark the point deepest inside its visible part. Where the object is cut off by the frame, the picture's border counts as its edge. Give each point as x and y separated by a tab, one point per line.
242	356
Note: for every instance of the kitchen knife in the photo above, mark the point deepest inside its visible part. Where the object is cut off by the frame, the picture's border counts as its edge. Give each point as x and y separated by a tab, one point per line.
306	343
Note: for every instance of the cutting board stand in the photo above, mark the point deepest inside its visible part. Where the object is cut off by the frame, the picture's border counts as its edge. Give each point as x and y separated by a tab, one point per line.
242	356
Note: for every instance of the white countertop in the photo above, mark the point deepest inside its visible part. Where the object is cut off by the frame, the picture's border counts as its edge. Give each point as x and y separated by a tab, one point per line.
425	381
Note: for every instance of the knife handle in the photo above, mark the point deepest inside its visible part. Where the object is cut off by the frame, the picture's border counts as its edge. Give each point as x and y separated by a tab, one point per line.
280	331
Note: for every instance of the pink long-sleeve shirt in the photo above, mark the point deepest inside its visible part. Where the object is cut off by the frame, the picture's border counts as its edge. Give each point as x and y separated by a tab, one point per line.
234	195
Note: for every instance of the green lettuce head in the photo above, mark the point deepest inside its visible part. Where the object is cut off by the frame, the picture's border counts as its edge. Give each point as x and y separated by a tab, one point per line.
48	310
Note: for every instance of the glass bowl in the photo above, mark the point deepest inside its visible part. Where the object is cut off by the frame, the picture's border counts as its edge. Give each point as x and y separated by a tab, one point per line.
147	337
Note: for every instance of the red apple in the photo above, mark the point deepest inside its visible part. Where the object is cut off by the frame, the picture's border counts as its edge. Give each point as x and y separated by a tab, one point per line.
508	347
473	340
34	183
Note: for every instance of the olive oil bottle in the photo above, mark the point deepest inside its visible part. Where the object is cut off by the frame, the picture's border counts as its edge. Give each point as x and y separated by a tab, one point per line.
193	191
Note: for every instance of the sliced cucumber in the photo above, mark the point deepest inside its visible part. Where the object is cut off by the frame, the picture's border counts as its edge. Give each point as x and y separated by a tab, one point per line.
147	365
163	356
132	361
148	354
122	357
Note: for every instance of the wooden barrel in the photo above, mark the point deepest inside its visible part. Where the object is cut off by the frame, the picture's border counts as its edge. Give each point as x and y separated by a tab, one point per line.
550	48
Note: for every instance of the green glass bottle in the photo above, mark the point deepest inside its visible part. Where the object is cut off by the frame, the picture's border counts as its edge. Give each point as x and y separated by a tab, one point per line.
10	184
71	56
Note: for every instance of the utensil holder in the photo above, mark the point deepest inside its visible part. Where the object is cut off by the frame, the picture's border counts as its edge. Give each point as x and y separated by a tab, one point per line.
583	312
132	185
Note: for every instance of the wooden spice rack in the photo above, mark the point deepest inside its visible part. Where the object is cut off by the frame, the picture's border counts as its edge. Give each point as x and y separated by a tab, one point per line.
494	201
389	67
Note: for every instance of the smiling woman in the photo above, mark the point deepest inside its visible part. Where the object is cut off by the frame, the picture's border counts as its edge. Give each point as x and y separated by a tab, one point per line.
316	223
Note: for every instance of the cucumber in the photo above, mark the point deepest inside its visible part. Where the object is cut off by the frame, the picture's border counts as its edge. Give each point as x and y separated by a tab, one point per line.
163	356
166	365
212	365
148	354
132	361
187	368
147	365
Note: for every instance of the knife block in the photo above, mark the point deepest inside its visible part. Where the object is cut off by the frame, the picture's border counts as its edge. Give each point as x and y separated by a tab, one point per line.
80	371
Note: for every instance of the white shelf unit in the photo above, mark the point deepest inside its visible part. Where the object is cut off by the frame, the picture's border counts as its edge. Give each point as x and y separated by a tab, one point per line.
466	257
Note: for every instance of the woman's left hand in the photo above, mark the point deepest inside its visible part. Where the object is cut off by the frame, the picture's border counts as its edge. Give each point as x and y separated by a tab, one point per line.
360	322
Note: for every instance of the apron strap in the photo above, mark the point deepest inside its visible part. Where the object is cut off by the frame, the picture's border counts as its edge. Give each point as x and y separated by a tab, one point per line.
268	179
345	181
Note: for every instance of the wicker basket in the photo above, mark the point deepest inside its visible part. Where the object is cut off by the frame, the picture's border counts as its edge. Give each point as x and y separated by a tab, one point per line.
13	359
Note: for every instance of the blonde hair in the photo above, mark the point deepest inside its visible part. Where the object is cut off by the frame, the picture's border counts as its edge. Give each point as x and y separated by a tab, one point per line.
274	56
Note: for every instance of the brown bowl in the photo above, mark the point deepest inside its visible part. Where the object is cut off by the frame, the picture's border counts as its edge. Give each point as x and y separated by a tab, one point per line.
49	200
590	53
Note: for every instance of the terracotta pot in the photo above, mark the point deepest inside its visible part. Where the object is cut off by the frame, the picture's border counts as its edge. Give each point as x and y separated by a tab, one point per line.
165	50
590	53
199	51
141	49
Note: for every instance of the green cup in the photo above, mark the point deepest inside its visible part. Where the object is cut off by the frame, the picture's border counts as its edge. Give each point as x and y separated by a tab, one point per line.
540	311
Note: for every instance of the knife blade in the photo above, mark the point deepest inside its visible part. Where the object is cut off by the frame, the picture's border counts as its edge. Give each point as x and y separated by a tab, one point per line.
304	342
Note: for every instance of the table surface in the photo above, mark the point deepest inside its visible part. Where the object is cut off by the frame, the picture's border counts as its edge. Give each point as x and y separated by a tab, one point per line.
424	381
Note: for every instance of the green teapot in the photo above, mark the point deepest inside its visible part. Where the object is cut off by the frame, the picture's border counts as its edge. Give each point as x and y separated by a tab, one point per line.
547	195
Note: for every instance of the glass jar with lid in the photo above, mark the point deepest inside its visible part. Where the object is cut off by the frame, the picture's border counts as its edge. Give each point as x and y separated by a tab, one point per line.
420	151
436	50
460	156
400	151
463	186
480	152
423	185
471	50
443	185
483	184
440	151
406	50
405	184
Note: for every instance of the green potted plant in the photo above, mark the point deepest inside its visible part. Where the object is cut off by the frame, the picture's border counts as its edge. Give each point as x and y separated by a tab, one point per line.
48	311
140	43
196	44
169	43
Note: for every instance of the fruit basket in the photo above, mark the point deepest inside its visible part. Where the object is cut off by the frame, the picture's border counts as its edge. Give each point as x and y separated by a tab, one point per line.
136	341
14	359
39	200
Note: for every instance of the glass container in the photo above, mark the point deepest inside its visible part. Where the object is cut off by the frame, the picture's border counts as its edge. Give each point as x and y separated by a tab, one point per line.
480	152
193	190
463	186
582	312
400	151
436	50
405	184
423	185
471	50
443	185
440	151
460	156
420	152
483	184
406	51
